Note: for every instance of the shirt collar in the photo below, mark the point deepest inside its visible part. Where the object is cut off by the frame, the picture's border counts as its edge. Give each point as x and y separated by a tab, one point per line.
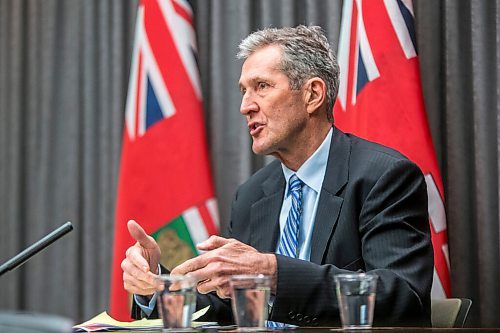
312	172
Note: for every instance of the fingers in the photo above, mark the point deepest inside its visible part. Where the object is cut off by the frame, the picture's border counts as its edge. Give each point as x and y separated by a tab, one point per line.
191	265
137	290
140	235
135	287
136	281
220	286
137	273
146	252
213	243
140	262
214	276
135	256
224	257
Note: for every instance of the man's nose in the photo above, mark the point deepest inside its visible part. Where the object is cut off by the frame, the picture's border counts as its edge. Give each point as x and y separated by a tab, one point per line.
248	105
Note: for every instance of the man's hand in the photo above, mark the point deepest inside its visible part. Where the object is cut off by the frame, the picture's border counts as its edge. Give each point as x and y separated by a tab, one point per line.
226	257
140	265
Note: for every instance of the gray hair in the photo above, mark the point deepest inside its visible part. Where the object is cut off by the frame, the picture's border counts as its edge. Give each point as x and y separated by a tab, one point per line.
306	54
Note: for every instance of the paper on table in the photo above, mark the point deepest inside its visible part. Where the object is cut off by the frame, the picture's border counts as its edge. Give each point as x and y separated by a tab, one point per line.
103	322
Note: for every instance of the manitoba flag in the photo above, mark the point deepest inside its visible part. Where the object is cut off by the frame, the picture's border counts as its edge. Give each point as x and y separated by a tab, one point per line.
164	181
380	99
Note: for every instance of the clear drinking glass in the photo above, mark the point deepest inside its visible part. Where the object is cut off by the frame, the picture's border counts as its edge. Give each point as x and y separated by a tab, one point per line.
356	296
176	301
250	300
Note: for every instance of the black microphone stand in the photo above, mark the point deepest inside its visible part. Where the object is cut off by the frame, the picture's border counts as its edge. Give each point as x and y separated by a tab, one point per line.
29	252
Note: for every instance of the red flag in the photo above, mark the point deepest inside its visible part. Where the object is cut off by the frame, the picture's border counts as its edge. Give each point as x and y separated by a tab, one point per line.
165	182
380	99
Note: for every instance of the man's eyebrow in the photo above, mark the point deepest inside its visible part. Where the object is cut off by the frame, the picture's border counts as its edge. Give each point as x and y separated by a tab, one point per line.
254	79
250	80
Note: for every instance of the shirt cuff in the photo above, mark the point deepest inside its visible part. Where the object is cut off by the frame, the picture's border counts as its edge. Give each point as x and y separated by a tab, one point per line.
147	306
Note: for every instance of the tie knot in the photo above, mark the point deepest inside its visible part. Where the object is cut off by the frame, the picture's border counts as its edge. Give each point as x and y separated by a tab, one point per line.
295	184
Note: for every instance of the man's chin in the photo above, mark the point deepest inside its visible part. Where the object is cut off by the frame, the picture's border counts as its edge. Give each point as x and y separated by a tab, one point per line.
256	151
261	150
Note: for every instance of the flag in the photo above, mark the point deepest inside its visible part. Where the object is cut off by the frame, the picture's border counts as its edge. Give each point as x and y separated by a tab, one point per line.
164	181
380	98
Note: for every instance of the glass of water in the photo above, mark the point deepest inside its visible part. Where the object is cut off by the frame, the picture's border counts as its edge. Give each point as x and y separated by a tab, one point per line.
250	301
356	297
176	301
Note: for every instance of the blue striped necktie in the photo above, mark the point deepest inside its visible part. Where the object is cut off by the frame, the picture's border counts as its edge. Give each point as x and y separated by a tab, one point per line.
290	235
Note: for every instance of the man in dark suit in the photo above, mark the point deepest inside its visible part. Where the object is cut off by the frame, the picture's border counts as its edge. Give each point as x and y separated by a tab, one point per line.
363	207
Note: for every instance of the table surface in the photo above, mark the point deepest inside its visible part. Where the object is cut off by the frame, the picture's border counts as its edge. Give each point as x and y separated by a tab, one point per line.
374	330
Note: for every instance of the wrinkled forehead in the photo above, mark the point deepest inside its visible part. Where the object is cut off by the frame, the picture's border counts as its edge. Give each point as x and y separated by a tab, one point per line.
262	62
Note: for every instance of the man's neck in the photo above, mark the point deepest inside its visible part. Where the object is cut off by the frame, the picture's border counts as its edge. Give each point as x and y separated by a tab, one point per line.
309	143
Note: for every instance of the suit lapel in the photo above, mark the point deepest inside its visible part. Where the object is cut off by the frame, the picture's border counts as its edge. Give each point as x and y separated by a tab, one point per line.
329	205
265	213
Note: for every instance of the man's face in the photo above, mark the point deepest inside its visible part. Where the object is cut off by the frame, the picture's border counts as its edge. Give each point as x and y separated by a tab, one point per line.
276	114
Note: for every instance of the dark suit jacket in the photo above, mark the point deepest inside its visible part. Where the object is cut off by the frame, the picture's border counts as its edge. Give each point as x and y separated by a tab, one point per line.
372	217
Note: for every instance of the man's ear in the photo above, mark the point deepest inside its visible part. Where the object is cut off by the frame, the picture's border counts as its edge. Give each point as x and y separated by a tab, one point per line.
314	94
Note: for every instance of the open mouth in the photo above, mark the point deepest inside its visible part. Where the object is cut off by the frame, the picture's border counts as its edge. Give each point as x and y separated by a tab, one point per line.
255	128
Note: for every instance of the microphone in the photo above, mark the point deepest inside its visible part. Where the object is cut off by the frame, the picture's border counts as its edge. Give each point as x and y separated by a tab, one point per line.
29	252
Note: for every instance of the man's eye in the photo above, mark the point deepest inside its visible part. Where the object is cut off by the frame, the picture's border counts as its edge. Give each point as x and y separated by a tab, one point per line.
243	91
263	85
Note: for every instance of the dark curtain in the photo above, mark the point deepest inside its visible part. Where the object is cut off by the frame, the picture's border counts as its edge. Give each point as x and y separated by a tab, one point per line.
63	78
